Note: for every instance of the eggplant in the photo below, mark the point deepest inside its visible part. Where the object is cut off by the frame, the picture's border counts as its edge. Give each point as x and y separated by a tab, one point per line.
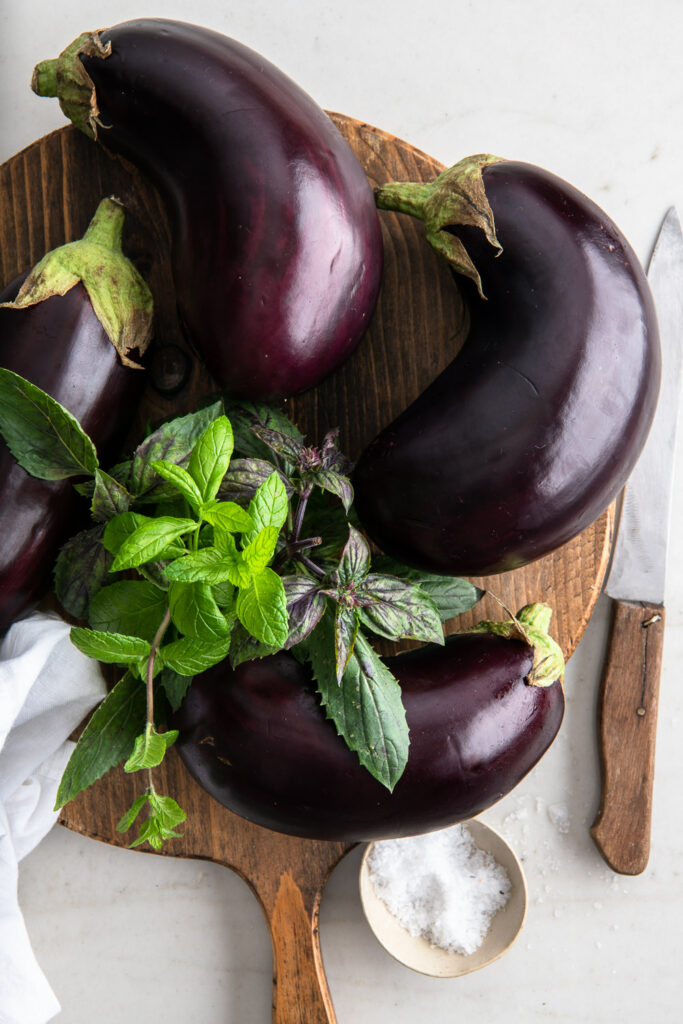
276	244
532	430
258	741
57	342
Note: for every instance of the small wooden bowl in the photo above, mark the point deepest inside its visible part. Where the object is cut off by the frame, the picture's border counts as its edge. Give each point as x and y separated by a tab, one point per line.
417	953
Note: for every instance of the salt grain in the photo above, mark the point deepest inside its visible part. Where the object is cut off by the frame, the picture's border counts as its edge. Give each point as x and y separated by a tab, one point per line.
440	886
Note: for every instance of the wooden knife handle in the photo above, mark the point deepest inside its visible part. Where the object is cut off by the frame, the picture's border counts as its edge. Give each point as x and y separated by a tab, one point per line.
626	735
300	992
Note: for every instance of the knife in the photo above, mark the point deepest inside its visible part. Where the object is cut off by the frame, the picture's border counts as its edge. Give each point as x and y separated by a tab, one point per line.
630	683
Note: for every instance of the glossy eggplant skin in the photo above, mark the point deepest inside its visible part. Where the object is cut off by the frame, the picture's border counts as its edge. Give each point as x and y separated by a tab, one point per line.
258	741
60	346
277	251
531	432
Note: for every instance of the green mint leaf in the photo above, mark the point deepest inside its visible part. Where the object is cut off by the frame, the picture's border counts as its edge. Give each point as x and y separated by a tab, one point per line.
131	814
82	568
45	439
269	506
211	457
113	648
107	739
451	595
290	448
345	632
175	686
245	647
131	607
305	606
151	540
208	566
398	610
181	480
195	613
172	442
120	528
224	595
366	708
167	812
150	748
188	656
228	516
109	497
335	483
258	553
355	559
150	832
244	477
244	416
262	608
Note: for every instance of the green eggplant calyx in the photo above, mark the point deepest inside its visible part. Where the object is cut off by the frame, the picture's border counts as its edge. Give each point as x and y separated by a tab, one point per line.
457	198
66	78
530	625
119	295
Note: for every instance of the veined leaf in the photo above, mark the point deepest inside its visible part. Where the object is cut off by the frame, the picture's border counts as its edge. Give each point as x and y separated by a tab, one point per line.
451	595
150	748
355	559
206	566
45	439
211	457
181	480
397	610
245	647
113	648
172	442
228	516
175	686
131	607
188	656
120	528
345	630
195	613
269	506
107	739
109	497
366	708
258	553
262	608
244	477
151	540
245	415
82	568
305	606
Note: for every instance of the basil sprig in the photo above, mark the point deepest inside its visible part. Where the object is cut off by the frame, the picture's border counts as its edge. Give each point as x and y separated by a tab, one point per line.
223	536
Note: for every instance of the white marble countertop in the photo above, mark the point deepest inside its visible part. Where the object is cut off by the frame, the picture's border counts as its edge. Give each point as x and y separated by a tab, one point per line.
592	91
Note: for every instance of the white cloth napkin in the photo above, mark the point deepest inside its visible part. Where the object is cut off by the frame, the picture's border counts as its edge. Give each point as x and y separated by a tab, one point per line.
46	688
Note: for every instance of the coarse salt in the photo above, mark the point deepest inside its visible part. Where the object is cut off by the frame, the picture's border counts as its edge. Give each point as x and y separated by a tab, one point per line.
440	886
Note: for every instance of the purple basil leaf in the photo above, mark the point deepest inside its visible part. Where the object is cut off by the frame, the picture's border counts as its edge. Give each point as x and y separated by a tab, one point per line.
109	497
331	457
244	478
82	568
305	605
288	447
345	630
336	483
398	610
244	416
355	559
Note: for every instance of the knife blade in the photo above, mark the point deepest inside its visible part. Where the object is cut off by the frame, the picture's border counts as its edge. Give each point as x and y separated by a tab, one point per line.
630	684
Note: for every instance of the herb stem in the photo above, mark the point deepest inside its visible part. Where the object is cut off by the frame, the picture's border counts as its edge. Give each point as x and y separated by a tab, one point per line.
300	510
312	567
156	643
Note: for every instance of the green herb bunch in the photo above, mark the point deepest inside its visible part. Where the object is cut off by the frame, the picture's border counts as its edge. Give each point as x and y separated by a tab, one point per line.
224	536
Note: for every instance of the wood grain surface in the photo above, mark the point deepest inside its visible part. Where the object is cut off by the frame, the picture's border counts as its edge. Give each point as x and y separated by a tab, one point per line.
627	732
48	194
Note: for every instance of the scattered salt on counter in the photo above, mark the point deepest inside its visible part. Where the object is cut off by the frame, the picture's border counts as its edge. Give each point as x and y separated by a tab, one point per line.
440	886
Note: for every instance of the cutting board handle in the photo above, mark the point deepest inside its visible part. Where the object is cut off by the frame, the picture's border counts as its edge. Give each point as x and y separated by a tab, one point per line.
300	992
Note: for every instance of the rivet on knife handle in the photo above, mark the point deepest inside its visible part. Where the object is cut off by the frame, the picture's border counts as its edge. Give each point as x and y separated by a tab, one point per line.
627	731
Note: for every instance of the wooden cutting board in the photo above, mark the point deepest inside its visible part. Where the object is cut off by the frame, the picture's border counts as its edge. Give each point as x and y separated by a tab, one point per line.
48	193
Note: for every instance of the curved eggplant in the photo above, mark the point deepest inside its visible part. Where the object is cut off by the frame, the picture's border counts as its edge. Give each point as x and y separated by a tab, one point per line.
532	430
277	251
258	741
59	344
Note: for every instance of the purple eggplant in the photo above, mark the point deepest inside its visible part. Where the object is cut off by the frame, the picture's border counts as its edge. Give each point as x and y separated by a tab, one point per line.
530	433
59	344
258	741
277	251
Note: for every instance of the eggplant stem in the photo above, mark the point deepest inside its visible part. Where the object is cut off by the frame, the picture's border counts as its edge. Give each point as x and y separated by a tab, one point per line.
408	197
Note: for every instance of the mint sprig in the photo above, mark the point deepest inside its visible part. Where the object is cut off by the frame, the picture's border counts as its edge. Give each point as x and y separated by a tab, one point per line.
227	536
